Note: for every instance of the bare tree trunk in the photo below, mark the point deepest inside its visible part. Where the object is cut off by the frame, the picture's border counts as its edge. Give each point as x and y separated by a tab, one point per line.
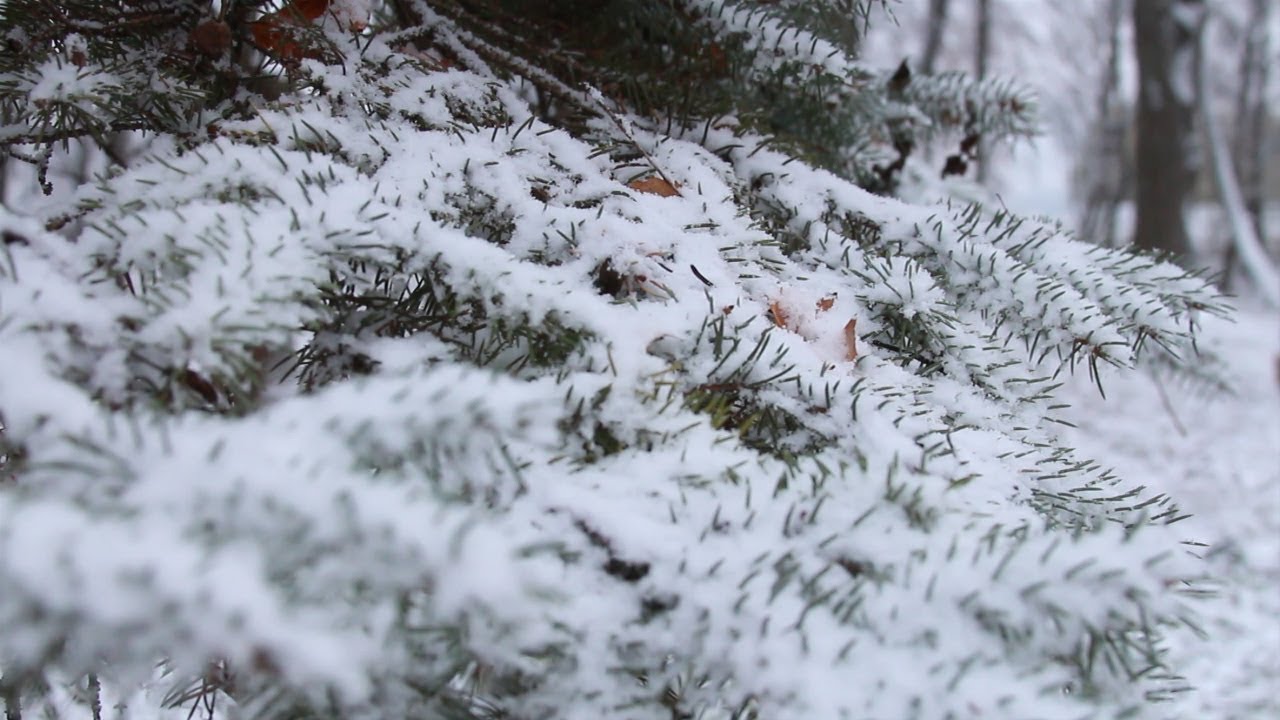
1250	148
933	36
1251	111
1167	154
1249	248
981	58
12	702
1107	167
1111	81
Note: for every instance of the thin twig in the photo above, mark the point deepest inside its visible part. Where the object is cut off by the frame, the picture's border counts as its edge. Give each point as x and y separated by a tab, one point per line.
12	703
1168	406
626	129
95	687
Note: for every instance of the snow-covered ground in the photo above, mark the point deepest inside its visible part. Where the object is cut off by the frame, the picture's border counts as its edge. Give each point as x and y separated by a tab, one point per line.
1220	456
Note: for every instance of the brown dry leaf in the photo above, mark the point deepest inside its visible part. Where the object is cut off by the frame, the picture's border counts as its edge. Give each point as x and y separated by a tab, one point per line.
654	185
309	9
778	315
825	303
851	340
273	33
719	61
200	385
431	57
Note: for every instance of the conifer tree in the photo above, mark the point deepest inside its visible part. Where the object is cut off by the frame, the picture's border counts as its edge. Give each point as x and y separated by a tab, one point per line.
552	359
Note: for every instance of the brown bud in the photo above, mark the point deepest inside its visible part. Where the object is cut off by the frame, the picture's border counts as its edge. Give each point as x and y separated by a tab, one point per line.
900	80
956	165
211	38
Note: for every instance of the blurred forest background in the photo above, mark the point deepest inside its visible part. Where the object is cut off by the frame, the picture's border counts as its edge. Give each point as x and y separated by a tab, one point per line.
1083	59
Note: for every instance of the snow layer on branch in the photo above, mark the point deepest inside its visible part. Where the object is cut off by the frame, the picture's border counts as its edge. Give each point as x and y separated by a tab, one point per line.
776	43
611	445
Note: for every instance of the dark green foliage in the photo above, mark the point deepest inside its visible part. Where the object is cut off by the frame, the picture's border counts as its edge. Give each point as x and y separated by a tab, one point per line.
688	65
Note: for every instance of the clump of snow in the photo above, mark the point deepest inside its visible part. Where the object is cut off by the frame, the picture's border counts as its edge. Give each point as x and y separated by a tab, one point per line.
59	80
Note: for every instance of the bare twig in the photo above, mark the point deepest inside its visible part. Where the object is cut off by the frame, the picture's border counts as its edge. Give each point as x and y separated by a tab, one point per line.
1168	406
95	688
12	702
626	129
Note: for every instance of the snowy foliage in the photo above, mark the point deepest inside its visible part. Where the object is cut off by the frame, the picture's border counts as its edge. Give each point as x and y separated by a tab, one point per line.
1210	449
392	399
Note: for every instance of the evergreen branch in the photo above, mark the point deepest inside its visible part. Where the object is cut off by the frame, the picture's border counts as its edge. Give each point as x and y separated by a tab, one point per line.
400	325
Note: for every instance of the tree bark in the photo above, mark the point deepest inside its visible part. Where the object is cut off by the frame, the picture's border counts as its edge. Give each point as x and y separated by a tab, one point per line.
1107	167
933	35
1251	146
1244	239
982	57
1168	156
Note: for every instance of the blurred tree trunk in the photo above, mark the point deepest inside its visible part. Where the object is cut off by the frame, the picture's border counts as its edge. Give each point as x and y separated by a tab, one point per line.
933	35
1168	157
982	57
1107	170
1251	147
1249	247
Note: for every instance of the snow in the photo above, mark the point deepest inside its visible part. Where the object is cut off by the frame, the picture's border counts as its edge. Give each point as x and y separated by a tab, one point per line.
1218	454
456	507
59	85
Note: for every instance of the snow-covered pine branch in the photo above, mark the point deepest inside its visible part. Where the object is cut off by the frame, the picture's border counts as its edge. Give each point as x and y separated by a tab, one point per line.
394	398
